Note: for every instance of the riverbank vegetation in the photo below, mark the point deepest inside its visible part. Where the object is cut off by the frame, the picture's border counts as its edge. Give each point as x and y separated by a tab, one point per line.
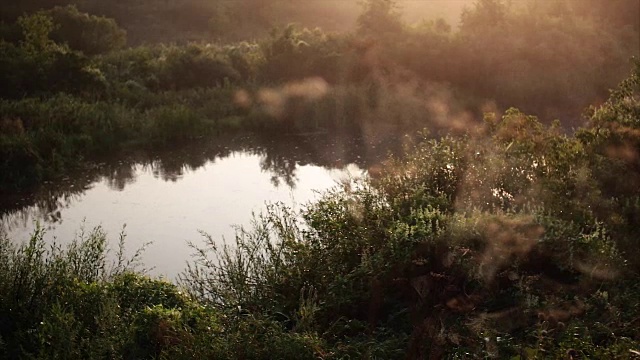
85	78
498	234
512	240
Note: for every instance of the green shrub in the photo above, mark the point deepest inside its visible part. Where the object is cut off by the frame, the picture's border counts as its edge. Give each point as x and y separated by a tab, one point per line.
196	66
292	54
40	138
86	33
137	65
172	123
134	292
37	278
40	66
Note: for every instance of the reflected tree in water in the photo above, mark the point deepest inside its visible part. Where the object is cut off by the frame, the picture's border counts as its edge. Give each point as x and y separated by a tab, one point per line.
280	157
119	175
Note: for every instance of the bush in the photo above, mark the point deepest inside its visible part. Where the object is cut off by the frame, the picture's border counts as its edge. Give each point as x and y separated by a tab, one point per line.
40	66
134	67
196	66
86	33
292	54
72	303
46	293
40	138
173	123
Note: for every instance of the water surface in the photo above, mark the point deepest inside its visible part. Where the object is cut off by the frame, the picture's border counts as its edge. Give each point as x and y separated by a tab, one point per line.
168	198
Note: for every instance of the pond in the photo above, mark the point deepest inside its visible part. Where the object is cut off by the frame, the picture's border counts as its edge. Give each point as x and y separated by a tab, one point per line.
169	197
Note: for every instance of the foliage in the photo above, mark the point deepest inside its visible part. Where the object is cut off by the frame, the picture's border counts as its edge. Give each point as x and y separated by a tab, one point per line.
39	65
51	296
505	239
462	247
293	54
196	66
86	33
42	138
527	44
379	17
613	141
71	303
385	79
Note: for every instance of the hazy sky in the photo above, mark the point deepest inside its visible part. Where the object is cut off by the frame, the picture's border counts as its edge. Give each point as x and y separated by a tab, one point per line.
342	14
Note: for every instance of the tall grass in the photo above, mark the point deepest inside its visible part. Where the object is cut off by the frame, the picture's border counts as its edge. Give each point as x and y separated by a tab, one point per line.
54	296
41	138
84	302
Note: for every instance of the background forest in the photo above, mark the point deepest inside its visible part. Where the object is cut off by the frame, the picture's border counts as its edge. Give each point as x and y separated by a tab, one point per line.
84	78
507	229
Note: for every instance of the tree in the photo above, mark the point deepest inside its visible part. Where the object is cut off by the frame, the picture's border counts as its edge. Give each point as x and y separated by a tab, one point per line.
40	65
380	17
84	32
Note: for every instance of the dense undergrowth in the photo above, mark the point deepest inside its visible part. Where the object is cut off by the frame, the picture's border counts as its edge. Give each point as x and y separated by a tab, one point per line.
74	303
512	240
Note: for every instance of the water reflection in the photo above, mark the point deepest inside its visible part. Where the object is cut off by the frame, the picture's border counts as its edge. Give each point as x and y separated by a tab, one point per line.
166	196
278	157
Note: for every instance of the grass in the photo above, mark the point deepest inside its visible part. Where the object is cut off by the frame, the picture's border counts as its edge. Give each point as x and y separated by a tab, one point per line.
73	303
41	138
